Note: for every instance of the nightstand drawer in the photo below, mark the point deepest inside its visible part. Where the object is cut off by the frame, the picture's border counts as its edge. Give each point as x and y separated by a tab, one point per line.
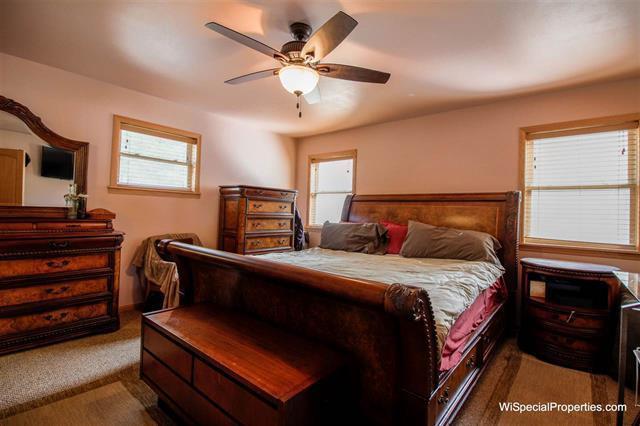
565	341
567	318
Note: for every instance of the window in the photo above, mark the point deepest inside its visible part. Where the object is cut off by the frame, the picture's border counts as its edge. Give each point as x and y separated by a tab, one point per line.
580	183
331	178
150	157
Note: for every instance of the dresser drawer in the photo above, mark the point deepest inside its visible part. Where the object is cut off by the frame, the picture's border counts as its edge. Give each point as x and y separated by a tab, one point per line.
257	225
269	193
232	397
168	352
59	290
266	243
165	382
48	265
44	320
261	206
567	318
56	244
70	226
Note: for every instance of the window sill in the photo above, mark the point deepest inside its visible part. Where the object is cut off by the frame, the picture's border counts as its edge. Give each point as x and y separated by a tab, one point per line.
580	251
120	189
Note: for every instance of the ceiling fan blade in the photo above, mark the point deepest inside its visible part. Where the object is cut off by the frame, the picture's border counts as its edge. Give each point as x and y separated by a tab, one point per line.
253	76
313	97
243	39
329	36
349	72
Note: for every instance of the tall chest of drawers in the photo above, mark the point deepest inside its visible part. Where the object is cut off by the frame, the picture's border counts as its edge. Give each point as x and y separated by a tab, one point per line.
256	220
58	280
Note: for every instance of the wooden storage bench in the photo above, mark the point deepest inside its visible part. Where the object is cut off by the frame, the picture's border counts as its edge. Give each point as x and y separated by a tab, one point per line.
212	366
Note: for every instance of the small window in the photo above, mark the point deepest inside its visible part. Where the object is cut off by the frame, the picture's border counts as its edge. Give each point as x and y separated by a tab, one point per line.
151	157
581	184
331	178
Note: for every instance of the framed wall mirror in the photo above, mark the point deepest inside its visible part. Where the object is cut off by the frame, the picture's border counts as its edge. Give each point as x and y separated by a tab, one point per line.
36	164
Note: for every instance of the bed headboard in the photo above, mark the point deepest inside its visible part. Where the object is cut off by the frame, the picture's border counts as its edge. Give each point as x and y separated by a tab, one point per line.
495	213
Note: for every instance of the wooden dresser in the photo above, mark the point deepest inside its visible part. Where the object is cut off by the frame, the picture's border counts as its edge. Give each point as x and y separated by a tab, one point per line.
58	278
569	312
255	219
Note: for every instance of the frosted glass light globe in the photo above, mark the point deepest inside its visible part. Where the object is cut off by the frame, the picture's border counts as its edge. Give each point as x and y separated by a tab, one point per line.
298	78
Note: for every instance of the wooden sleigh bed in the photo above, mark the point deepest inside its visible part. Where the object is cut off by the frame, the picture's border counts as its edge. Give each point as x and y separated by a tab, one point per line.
387	330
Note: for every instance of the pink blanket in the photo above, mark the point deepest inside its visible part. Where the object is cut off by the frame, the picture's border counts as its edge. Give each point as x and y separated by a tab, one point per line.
469	321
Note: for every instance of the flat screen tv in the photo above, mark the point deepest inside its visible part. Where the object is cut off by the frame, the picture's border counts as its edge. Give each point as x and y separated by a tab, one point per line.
57	163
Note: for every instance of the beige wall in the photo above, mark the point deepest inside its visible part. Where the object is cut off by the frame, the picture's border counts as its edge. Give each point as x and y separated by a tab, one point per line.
82	108
467	150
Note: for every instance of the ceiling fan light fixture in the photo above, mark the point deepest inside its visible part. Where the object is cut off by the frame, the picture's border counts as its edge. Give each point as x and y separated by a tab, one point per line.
298	79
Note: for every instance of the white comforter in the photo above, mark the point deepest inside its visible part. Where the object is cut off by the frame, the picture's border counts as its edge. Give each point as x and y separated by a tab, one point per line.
453	285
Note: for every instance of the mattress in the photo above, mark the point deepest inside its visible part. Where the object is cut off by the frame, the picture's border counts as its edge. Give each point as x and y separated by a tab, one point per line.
452	285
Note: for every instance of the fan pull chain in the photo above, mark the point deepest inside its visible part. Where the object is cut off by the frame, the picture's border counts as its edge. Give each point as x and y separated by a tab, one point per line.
298	104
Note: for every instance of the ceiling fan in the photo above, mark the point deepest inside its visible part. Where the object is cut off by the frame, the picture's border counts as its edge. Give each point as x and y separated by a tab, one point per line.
300	58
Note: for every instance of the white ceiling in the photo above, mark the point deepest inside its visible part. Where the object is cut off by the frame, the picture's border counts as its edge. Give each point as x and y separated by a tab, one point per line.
441	55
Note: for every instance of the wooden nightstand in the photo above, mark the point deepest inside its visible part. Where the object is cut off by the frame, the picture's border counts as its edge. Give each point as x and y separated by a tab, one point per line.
568	312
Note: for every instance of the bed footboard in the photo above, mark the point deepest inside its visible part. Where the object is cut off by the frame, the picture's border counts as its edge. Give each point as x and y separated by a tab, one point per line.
388	331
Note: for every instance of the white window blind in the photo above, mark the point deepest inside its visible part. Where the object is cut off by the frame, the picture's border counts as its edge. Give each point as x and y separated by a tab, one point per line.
330	181
581	187
153	159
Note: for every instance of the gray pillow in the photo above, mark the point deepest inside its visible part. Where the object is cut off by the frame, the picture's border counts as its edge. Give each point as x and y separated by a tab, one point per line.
425	240
368	238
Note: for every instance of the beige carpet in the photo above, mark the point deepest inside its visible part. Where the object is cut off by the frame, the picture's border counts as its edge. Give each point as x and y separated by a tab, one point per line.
513	376
107	405
95	380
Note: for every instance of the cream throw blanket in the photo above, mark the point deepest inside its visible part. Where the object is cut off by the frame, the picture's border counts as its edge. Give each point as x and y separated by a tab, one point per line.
162	273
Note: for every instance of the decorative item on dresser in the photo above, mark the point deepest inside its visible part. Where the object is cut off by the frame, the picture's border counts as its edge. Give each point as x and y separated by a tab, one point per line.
58	277
569	312
255	220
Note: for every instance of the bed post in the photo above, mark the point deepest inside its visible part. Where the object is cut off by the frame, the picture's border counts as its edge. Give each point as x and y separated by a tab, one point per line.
510	252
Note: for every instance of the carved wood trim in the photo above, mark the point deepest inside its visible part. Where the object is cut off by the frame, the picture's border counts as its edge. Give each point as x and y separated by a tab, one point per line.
36	125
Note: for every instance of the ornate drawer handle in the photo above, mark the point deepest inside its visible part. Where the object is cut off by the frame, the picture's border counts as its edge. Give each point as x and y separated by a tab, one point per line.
282	224
444	398
58	291
570	318
257	206
51	317
256	243
282	241
259	192
471	362
283	194
54	264
73	225
258	224
283	206
59	244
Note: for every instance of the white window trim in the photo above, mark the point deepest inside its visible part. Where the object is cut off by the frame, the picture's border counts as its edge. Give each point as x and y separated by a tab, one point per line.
181	135
330	156
576	248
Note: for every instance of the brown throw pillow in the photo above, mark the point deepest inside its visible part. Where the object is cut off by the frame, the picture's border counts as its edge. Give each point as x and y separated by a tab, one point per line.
368	238
425	240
